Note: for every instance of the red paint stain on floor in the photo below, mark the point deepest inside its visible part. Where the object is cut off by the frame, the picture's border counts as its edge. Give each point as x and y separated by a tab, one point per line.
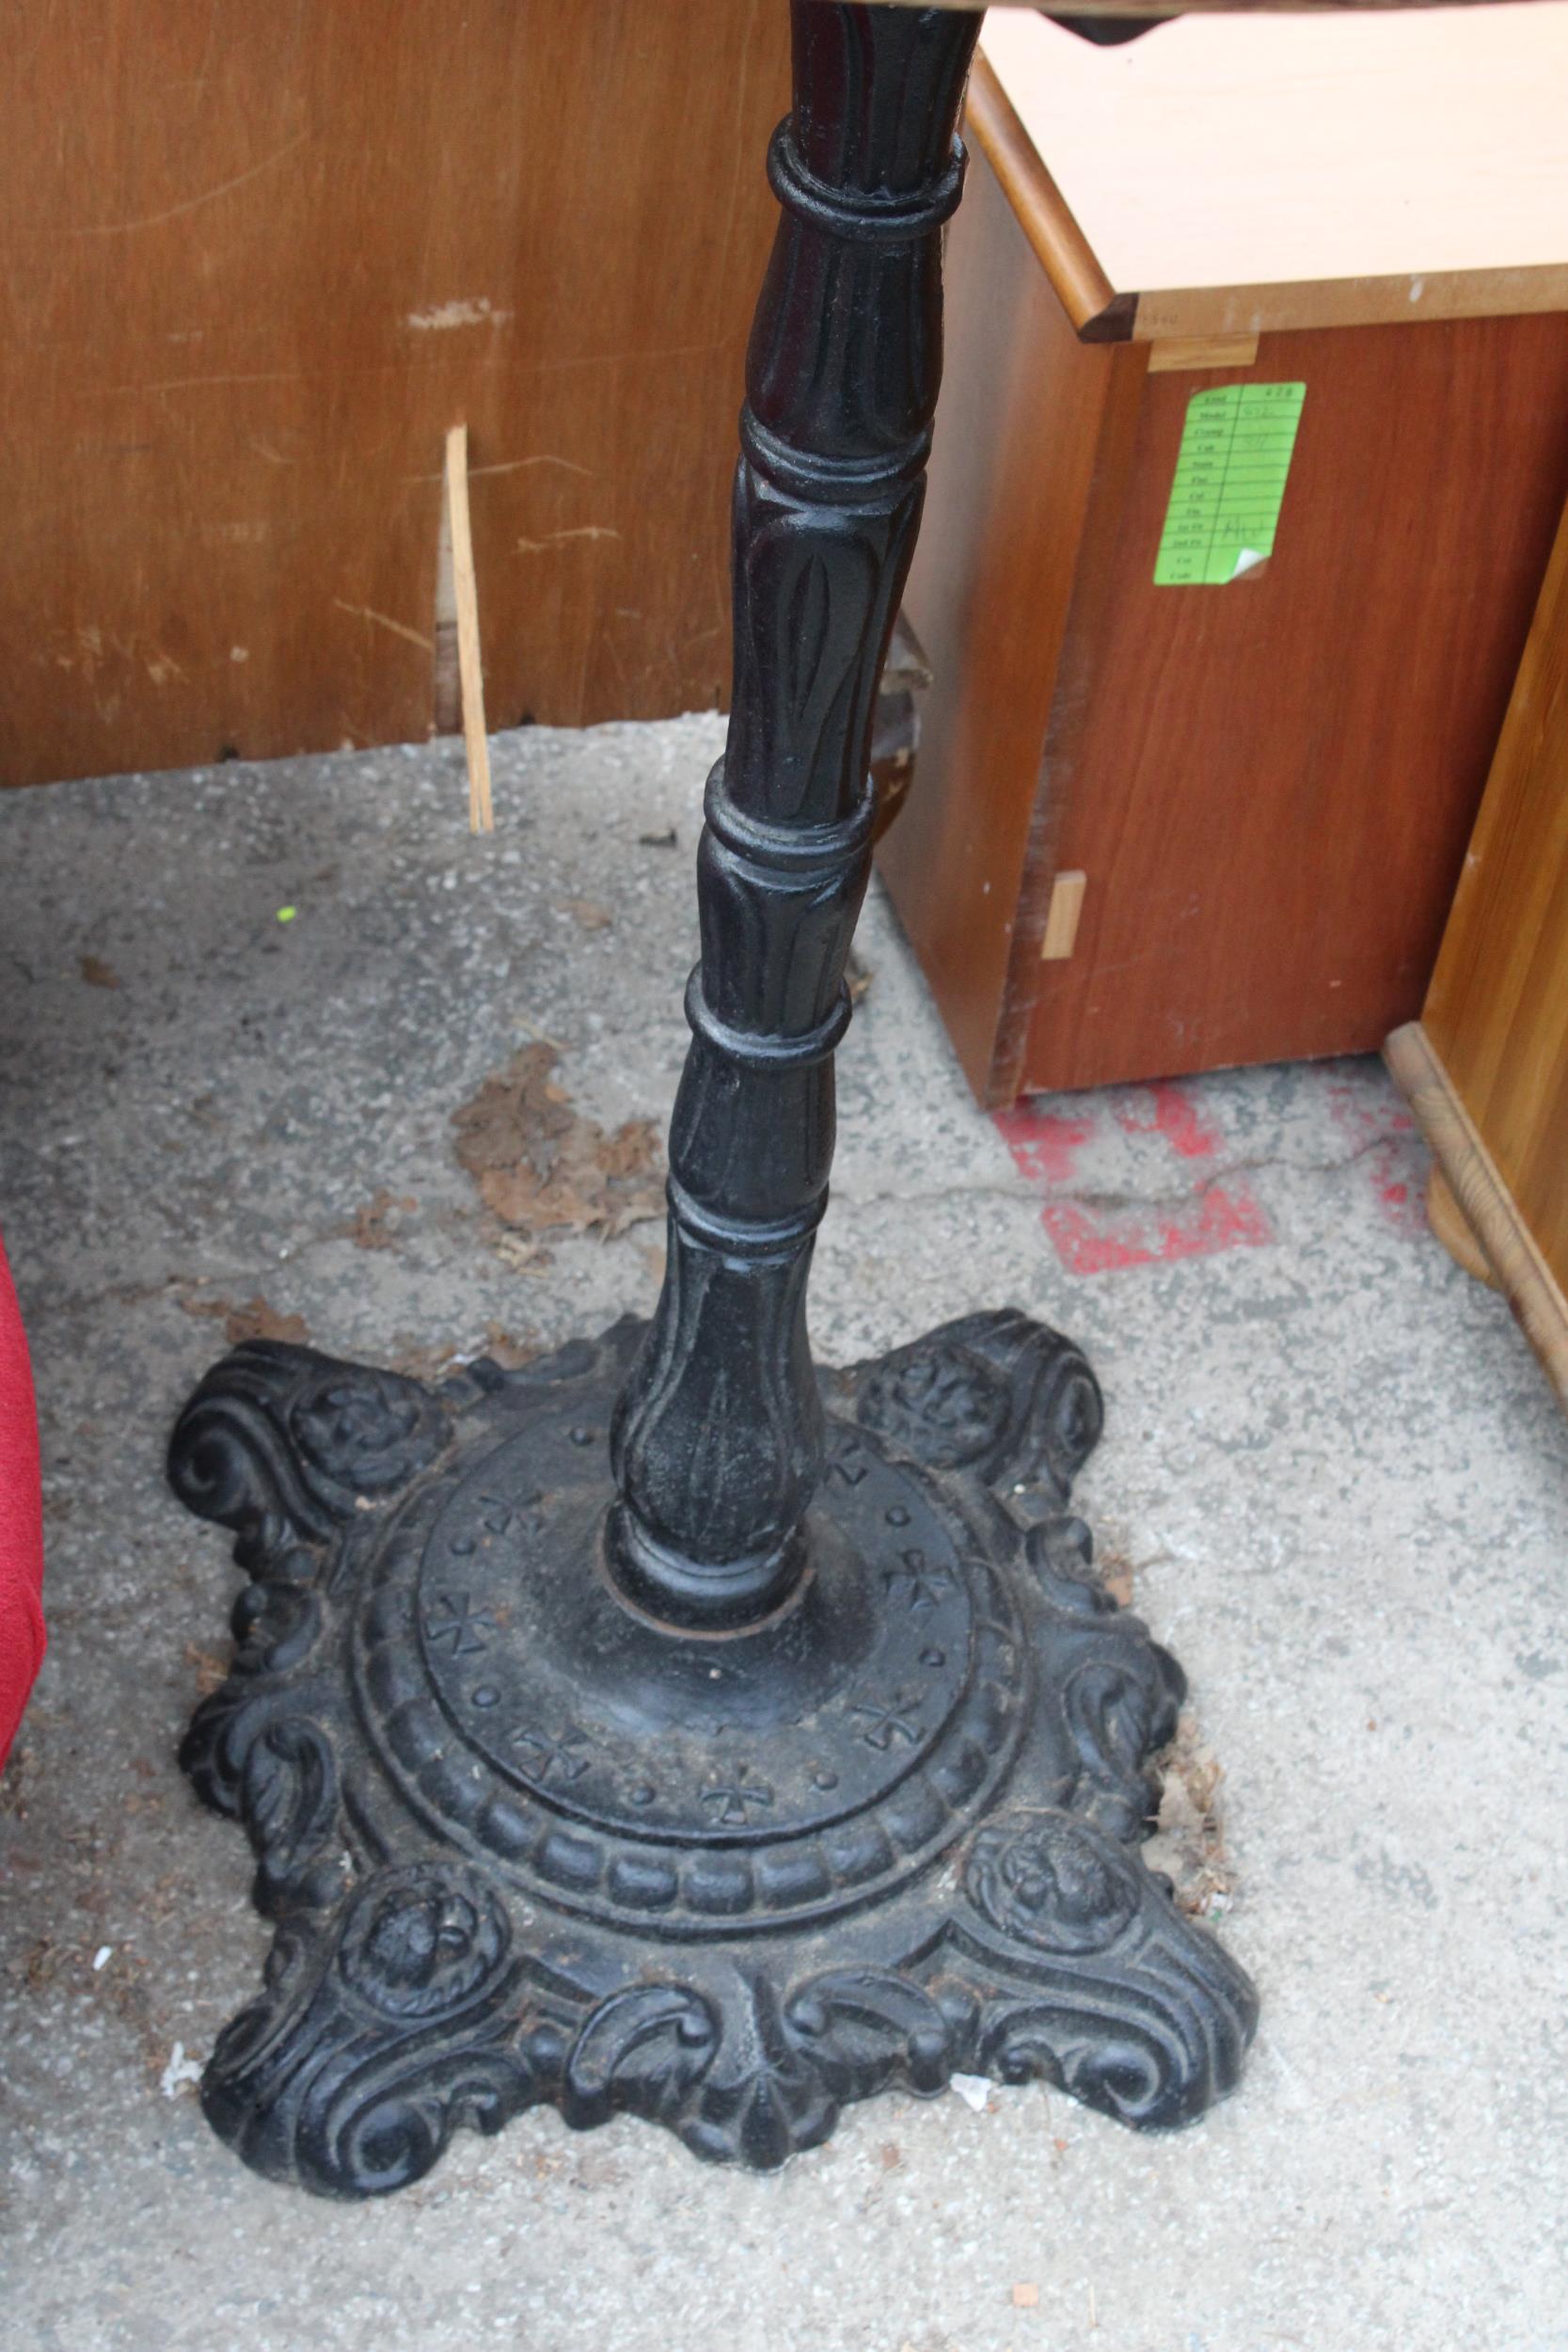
1398	1197
1044	1144
1392	1155
1172	1114
1093	1242
1092	1239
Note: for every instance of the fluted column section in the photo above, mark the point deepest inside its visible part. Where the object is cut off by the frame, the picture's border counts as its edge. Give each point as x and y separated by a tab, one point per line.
718	1436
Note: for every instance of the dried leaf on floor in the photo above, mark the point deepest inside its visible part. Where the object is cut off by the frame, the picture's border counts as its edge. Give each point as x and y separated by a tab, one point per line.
518	1113
1116	1574
587	912
422	1359
16	1782
1189	1844
42	1964
540	1166
97	973
254	1320
211	1671
631	1151
509	1353
368	1228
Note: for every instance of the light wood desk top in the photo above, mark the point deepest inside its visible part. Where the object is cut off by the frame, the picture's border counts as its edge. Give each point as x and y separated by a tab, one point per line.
1230	175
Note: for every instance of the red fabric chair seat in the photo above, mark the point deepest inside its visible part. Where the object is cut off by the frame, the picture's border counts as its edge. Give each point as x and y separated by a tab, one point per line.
21	1633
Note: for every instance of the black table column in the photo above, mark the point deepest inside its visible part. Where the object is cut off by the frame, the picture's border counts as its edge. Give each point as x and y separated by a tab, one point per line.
719	1439
674	1727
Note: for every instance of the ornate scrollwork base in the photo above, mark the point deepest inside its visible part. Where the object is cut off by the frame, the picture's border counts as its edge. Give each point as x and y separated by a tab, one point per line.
521	1842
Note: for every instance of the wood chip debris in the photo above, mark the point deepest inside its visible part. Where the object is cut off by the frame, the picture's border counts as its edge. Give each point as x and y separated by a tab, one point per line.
523	1256
421	1360
180	2071
540	1166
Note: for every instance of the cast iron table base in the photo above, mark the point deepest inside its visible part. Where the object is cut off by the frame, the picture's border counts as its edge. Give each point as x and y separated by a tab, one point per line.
519	1846
673	1728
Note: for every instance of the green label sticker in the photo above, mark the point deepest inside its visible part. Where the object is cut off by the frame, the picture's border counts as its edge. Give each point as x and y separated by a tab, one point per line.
1229	484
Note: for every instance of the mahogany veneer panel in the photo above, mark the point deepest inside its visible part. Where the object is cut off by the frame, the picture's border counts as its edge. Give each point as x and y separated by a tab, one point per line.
989	593
1276	779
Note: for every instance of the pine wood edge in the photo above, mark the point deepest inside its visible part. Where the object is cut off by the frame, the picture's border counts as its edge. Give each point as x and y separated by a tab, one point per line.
1453	1229
1098	312
469	664
1524	1277
1406	300
1511	788
1176	355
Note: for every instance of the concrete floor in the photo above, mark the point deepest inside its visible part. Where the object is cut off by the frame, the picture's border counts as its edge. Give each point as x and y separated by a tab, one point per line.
1330	1465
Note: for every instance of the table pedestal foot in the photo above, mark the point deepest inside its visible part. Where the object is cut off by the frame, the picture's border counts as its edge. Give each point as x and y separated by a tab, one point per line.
522	1842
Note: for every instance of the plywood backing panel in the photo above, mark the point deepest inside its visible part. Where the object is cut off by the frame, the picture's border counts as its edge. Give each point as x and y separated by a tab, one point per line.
255	263
1349	692
1018	429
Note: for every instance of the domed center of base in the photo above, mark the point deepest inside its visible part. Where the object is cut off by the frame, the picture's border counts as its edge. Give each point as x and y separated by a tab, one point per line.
530	1712
621	1723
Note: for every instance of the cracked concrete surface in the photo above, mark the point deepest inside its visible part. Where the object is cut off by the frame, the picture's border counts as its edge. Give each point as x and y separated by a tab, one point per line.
1330	1464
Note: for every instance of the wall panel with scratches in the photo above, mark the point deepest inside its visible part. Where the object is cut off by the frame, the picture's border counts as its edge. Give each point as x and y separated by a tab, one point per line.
254	262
